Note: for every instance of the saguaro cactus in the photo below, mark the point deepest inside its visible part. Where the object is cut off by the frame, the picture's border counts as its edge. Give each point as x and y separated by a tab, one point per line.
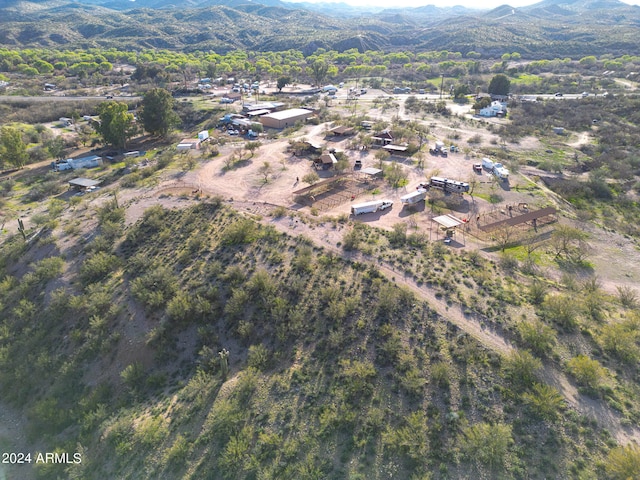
224	361
21	229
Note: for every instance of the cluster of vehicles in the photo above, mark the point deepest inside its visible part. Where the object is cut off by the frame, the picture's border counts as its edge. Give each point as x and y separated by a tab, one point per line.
496	168
441	149
444	184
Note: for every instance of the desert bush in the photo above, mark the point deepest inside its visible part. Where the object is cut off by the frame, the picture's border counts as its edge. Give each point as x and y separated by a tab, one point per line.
151	431
176	455
351	240
398	236
537	335
240	232
440	374
487	444
303	259
358	377
562	309
110	212
235	306
133	375
627	296
48	268
521	368
537	291
622	339
279	212
475	140
623	463
587	372
6	186
258	357
544	401
409	439
98	266
45	189
155	288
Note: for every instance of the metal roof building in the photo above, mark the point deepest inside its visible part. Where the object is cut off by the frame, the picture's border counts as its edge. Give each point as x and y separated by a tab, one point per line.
285	118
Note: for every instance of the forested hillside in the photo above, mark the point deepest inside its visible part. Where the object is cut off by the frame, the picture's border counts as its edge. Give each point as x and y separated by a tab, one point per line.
539	31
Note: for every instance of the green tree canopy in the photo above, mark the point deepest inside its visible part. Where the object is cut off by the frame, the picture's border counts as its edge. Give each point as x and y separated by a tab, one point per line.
116	123
56	147
157	113
499	85
283	82
12	148
320	70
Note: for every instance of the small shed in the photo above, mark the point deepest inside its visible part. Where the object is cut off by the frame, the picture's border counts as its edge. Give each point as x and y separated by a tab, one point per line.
188	144
326	161
558	130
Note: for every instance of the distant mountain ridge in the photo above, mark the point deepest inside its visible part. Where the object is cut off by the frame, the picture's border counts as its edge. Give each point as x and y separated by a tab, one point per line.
556	28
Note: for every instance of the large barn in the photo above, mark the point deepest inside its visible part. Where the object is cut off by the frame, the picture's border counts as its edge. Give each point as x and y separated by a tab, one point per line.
285	118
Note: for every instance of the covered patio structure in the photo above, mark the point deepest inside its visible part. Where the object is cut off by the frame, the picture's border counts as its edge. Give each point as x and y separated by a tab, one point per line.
448	224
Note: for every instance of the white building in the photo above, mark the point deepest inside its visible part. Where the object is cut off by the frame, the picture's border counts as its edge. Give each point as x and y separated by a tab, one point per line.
496	109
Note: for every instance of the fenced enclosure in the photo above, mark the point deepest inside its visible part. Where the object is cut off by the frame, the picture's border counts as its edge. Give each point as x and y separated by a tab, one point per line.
335	191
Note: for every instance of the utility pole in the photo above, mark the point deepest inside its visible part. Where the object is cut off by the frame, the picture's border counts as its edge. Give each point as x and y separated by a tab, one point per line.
441	85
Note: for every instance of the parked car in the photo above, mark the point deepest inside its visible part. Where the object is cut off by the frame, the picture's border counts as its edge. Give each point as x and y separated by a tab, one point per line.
559	94
477	167
358	164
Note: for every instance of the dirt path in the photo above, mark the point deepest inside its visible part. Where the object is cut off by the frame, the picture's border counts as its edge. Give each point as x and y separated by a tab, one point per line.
583	139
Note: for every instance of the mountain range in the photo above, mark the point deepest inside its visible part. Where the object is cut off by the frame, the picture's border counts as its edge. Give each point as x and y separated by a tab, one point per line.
551	28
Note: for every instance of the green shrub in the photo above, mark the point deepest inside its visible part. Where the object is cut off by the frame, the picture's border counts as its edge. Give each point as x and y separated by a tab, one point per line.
623	463
587	372
537	335
258	357
176	456
240	232
440	374
622	339
544	401
133	375
488	444
98	266
521	368
562	309
110	212
409	439
155	288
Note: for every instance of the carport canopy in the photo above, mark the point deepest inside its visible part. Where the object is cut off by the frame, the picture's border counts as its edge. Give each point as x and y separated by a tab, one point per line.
83	182
448	221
